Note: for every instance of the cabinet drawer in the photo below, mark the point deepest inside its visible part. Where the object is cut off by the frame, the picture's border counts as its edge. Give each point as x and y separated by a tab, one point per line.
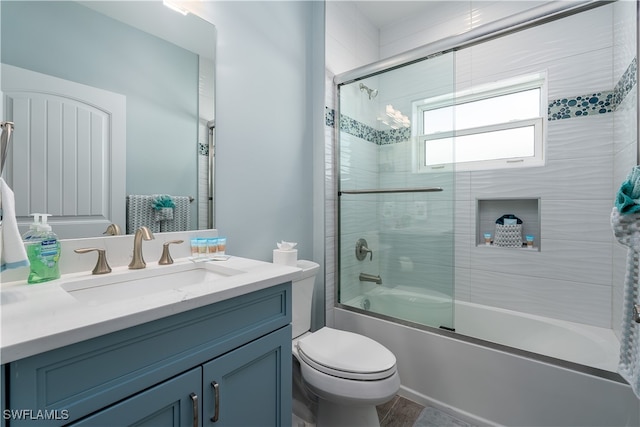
175	403
84	377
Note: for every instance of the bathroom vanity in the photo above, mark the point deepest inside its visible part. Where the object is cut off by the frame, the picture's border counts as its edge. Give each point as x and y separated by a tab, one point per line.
213	352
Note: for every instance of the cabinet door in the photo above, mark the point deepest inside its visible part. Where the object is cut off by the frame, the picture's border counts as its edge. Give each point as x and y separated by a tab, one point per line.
175	402
250	386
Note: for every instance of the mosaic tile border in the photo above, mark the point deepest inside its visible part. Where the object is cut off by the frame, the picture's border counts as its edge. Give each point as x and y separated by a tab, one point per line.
595	103
602	102
583	105
626	82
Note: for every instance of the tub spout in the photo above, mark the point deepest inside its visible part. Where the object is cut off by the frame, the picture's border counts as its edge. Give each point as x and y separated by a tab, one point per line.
364	277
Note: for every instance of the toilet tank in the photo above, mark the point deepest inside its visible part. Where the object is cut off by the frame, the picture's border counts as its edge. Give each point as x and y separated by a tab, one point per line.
302	297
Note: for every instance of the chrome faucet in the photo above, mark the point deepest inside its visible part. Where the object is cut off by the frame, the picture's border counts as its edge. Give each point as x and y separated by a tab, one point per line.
138	261
364	277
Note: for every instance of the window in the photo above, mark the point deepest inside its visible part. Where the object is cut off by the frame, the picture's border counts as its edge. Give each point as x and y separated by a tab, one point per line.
489	127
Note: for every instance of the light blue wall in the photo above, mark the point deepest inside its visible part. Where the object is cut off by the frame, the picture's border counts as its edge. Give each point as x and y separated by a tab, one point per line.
269	128
264	142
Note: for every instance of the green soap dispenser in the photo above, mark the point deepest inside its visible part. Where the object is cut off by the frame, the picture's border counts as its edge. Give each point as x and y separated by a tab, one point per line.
43	250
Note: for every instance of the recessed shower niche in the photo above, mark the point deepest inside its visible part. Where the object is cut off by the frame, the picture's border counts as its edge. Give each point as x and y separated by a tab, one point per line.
489	210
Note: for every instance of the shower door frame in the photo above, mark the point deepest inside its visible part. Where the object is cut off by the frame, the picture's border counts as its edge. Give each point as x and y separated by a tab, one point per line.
545	13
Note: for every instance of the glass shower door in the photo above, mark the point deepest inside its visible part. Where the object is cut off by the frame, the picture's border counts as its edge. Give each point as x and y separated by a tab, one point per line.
396	222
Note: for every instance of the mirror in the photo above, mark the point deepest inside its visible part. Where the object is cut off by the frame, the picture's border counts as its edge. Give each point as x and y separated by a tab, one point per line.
152	66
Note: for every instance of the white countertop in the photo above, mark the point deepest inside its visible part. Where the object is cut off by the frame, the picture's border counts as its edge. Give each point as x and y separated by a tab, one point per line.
41	317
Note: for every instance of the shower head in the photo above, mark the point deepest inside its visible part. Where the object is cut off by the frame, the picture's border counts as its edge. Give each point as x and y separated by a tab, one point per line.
371	92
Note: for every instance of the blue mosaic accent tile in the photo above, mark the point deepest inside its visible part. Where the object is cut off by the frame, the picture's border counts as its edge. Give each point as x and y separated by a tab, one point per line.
596	103
626	82
329	117
583	105
358	129
602	102
393	136
366	132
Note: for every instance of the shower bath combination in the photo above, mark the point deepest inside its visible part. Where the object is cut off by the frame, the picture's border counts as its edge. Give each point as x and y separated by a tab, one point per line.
441	286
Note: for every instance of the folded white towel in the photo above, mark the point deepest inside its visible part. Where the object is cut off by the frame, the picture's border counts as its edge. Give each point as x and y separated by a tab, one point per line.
12	253
626	229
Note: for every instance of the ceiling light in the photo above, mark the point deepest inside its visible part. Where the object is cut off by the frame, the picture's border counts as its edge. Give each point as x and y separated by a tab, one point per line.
175	7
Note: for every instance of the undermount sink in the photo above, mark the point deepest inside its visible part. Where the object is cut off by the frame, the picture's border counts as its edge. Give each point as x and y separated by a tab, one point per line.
121	286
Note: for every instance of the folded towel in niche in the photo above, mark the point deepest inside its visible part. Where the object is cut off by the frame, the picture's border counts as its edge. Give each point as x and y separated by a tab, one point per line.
628	196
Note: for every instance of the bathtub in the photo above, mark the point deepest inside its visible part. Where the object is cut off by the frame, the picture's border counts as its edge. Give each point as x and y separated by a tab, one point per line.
564	377
583	344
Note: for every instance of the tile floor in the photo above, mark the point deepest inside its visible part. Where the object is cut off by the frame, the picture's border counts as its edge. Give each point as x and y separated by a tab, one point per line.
402	412
399	412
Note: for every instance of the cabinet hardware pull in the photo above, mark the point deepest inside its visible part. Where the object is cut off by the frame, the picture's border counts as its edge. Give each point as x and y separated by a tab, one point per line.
216	394
194	399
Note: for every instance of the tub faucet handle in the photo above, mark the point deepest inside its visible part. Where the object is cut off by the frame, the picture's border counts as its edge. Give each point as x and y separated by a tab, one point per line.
362	250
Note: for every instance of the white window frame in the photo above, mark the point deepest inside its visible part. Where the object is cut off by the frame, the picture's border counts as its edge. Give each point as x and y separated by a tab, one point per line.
500	88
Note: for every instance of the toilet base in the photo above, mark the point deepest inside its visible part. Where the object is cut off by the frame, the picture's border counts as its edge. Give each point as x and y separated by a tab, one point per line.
331	414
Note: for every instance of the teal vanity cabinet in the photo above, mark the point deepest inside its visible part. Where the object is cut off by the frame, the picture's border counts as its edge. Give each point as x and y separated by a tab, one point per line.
227	363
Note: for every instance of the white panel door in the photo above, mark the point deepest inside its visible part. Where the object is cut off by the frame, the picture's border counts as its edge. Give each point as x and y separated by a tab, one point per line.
67	157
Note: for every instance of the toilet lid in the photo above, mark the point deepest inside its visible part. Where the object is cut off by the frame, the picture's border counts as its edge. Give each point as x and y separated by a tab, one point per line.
346	355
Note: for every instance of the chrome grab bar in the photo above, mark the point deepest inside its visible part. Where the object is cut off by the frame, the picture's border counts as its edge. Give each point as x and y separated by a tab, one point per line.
392	190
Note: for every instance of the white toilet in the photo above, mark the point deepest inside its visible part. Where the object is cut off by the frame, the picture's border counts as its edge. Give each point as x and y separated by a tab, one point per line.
347	374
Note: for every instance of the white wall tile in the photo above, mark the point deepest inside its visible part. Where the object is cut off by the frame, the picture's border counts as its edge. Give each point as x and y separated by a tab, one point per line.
572	301
484	12
581	178
580	137
571	278
624	35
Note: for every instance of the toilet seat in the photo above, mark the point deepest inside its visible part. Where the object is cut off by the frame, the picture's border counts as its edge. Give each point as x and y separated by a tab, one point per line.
346	355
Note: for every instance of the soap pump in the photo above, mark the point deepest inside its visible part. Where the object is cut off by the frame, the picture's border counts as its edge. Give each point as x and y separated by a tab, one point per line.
43	250
33	228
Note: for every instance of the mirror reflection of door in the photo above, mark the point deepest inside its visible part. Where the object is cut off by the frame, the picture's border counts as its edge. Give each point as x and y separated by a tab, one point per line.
66	156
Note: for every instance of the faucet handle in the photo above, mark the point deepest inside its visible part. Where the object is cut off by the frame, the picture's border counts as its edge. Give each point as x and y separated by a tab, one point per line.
102	266
166	259
362	250
113	230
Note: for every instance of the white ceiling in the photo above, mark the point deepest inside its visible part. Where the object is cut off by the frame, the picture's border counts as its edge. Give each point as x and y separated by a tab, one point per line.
383	13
